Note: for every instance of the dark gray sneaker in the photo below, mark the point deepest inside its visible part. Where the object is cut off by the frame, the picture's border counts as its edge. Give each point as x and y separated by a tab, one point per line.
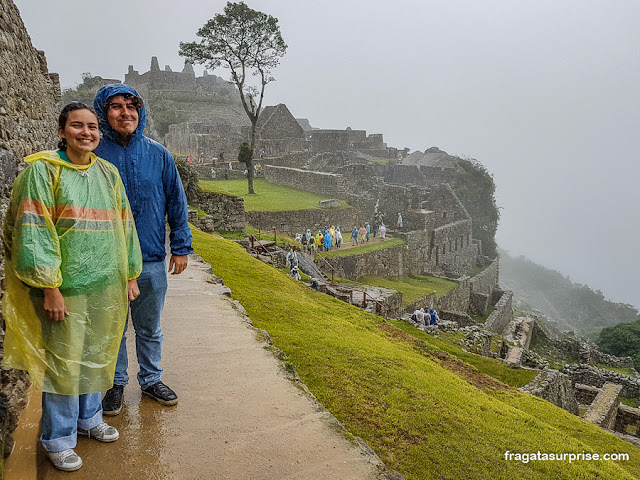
161	394
112	401
102	432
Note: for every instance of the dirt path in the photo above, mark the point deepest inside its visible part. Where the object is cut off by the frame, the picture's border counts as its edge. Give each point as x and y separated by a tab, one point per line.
238	416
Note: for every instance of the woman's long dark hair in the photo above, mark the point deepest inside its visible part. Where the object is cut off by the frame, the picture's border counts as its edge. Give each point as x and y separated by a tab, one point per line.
64	116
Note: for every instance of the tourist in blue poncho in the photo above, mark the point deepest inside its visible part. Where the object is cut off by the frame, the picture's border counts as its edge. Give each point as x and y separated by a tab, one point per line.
327	240
158	200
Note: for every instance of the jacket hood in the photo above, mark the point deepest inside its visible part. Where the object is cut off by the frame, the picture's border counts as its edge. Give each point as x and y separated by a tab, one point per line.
104	94
52	157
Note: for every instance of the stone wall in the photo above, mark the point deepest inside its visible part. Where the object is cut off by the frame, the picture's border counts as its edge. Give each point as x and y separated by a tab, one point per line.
555	387
355	140
29	94
486	281
442	199
451	250
29	109
386	262
585	394
482	286
627	416
298	221
326	184
501	315
597	377
604	408
593	355
224	213
456	300
204	140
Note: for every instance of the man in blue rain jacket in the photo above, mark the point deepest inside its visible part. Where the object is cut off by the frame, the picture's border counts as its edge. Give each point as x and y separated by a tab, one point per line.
156	195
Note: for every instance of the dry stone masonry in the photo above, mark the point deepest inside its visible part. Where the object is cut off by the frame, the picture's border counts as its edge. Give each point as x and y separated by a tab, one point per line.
29	109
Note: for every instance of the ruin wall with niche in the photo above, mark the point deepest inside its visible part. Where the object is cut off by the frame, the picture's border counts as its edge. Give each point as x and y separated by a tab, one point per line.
29	110
451	249
204	141
324	140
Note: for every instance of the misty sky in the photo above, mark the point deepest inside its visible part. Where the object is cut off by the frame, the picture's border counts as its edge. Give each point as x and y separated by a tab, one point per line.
545	93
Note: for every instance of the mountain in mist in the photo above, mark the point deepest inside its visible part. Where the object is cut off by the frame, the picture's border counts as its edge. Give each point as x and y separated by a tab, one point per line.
572	305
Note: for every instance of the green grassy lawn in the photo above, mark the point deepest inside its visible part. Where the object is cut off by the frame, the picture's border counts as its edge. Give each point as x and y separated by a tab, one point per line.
413	287
425	413
268	197
366	248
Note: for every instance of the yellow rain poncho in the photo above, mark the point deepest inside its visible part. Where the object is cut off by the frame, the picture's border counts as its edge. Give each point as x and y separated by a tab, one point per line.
68	226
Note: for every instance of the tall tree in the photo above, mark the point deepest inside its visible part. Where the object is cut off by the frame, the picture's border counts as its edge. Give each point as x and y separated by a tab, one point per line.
247	42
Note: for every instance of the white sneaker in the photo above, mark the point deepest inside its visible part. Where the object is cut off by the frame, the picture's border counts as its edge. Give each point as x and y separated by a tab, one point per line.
66	460
102	432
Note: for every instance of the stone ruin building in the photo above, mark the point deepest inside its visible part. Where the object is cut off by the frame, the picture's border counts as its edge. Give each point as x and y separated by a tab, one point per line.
29	109
166	79
277	132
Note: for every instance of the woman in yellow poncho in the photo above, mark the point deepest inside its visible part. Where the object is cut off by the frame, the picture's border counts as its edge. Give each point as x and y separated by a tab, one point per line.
72	257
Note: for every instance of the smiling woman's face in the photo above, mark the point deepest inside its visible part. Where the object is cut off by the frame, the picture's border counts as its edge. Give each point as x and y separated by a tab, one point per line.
81	132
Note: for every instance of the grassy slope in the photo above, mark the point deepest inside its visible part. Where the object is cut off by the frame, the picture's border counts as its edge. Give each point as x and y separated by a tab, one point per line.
388	388
268	198
414	287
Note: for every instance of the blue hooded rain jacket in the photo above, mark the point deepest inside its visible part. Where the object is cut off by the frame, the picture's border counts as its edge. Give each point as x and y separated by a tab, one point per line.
151	180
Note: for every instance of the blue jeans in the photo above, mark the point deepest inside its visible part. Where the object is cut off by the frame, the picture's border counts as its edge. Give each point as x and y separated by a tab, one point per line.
63	414
146	311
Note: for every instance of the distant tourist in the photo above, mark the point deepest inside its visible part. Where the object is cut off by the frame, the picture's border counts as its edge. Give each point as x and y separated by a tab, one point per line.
375	229
292	263
230	166
354	235
399	224
383	231
433	317
363	233
327	240
338	238
368	229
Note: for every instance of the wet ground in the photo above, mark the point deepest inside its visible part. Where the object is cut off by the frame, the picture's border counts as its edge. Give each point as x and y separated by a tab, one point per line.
238	416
